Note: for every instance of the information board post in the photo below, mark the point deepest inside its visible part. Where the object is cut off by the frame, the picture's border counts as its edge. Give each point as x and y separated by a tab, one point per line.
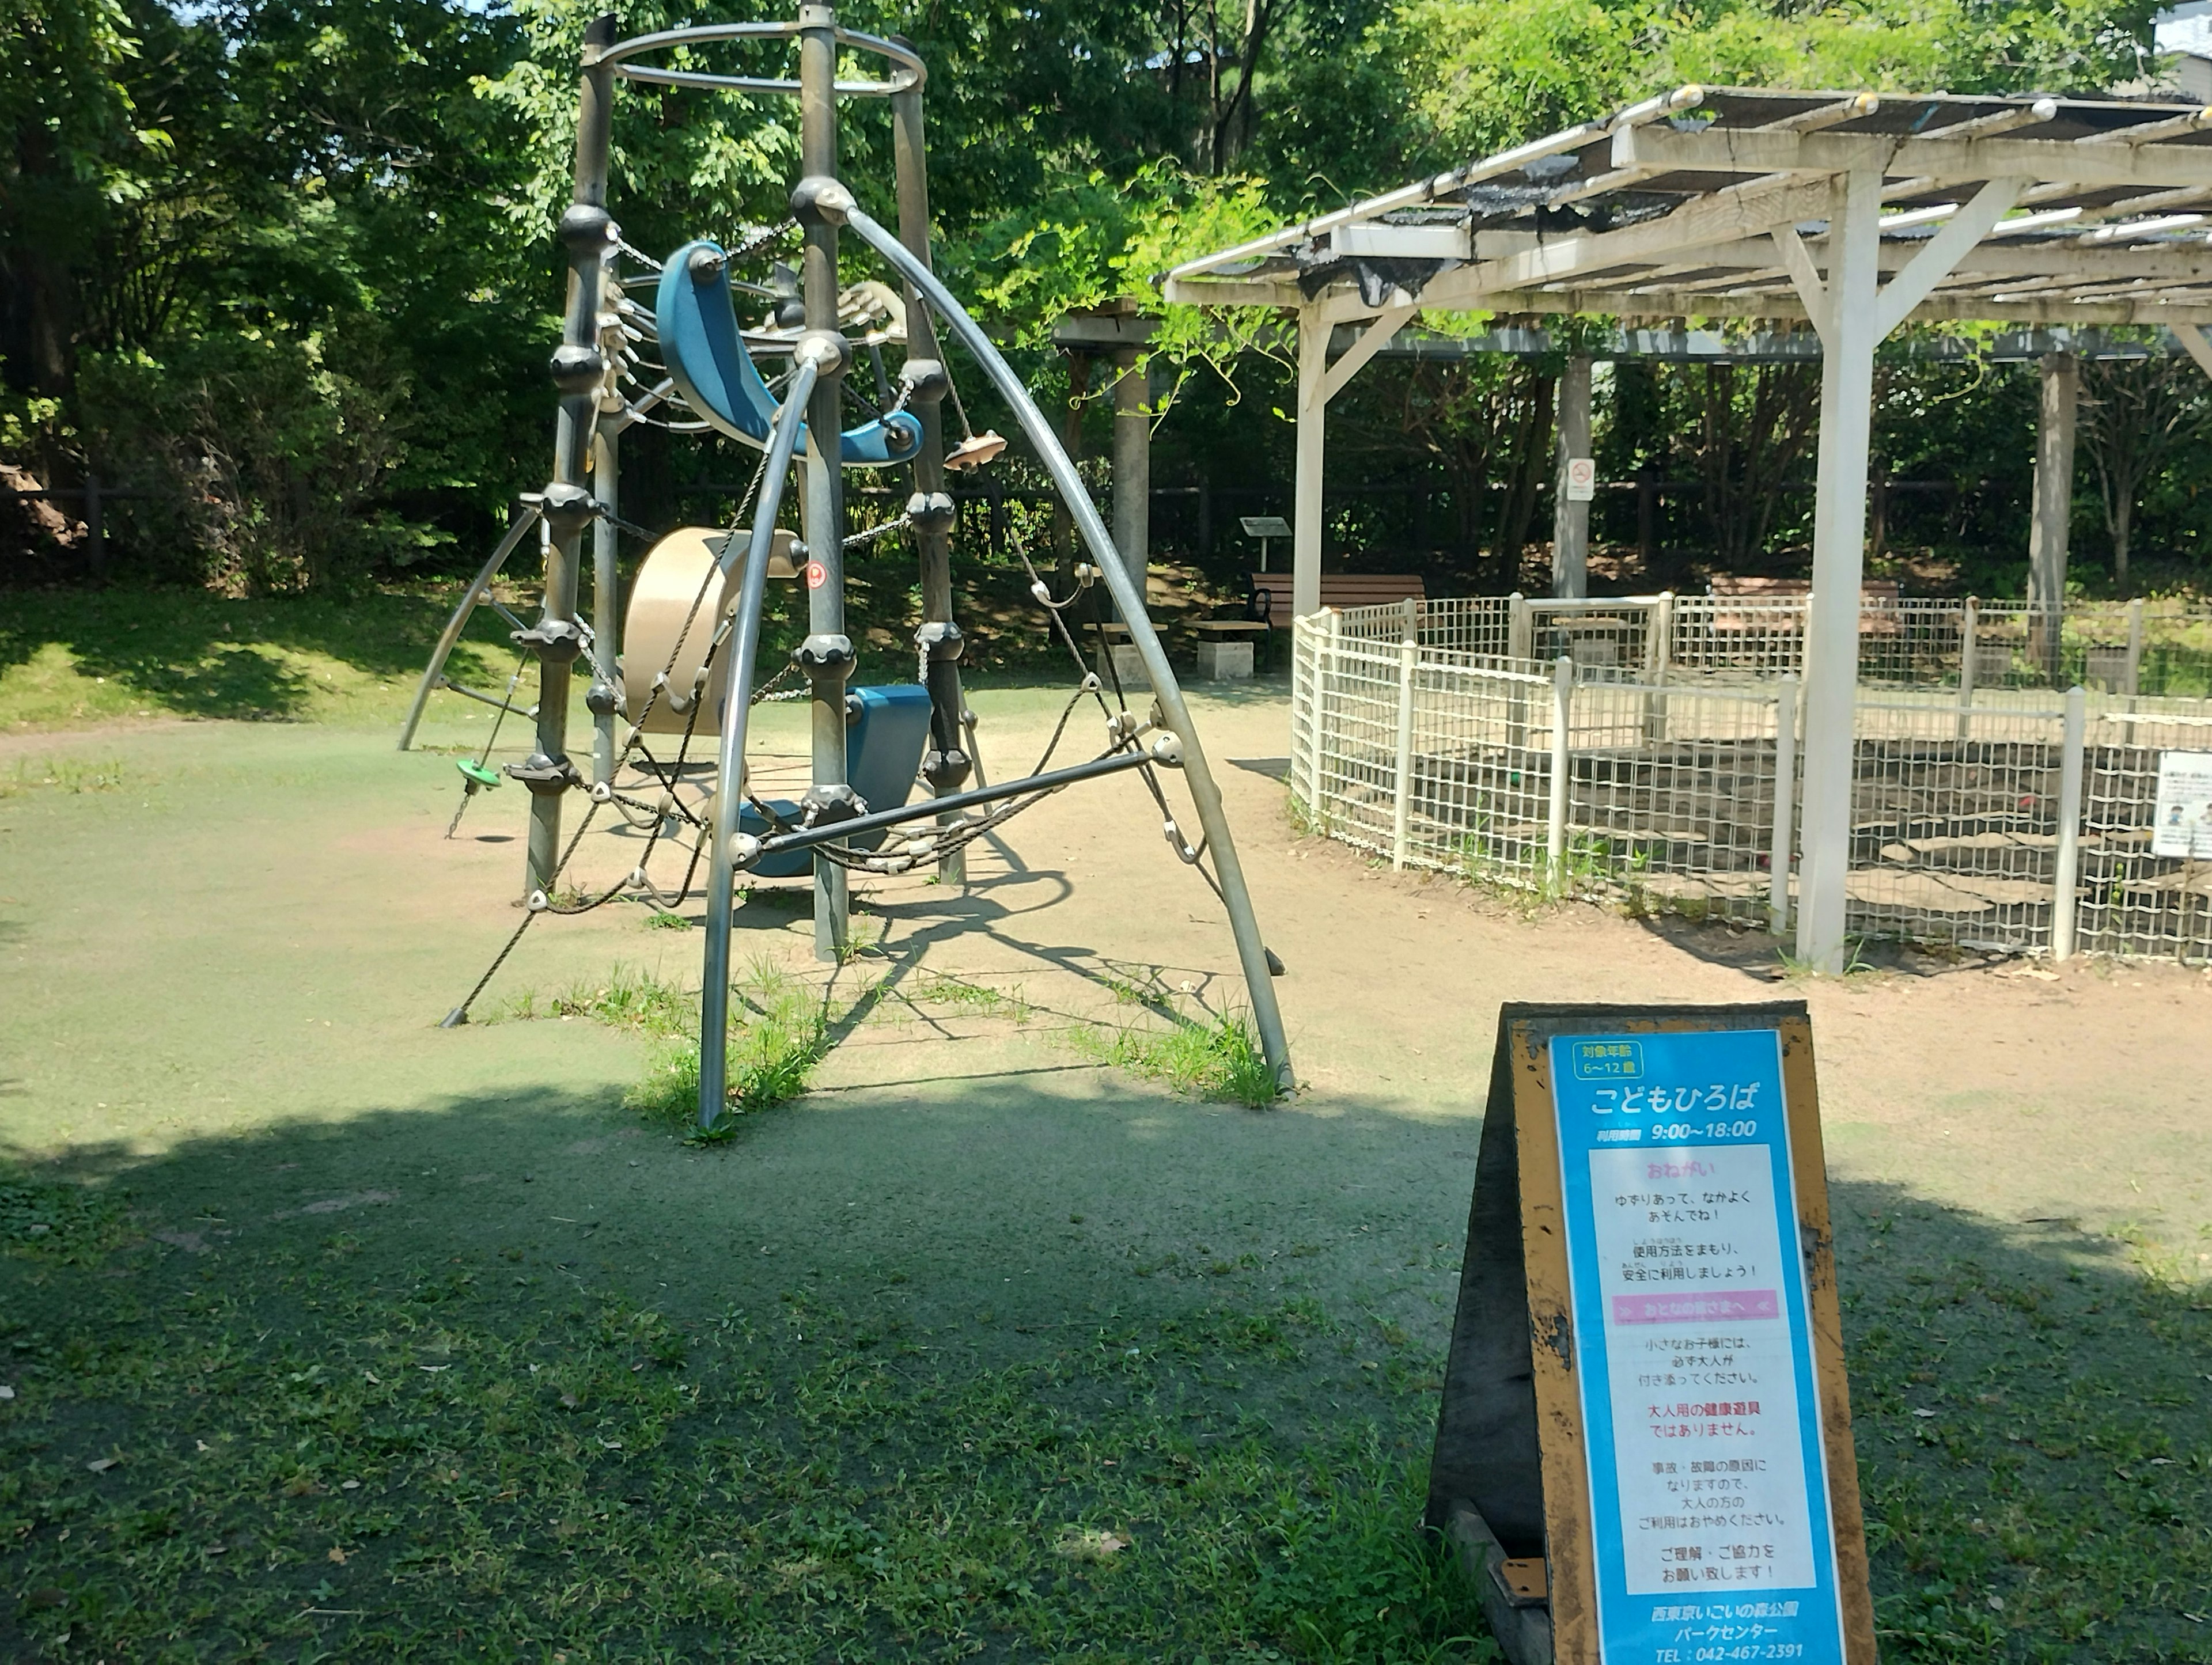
1644	1452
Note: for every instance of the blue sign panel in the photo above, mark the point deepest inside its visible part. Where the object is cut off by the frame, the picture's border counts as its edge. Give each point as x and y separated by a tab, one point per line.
1708	1476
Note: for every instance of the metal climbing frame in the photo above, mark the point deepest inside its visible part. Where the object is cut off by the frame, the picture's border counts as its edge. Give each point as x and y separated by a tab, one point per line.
593	411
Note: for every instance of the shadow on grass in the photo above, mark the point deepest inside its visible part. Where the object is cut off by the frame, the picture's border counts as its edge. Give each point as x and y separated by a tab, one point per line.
996	1374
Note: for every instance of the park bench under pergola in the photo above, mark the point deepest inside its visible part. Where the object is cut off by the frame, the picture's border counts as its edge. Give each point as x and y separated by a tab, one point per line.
1853	212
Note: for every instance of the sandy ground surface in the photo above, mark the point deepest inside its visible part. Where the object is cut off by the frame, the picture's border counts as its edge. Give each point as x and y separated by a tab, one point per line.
253	932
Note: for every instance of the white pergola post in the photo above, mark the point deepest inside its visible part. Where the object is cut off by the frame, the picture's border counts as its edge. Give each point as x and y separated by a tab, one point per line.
1318	383
1571	520
1305	512
2056	412
1133	466
1848	333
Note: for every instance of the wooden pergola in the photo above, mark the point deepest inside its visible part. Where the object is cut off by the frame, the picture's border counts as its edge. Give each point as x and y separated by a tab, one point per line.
1851	211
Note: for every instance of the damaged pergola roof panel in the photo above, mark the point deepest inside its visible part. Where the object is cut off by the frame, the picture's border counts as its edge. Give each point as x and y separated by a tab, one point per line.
1718	202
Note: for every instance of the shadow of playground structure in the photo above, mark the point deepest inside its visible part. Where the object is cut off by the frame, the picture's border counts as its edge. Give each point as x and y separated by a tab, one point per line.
895	1375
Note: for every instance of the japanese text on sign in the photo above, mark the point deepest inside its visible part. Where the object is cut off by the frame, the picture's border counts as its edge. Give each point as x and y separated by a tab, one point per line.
1702	1424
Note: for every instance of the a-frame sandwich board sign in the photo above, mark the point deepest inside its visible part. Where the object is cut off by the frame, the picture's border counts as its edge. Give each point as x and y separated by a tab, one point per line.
1644	1452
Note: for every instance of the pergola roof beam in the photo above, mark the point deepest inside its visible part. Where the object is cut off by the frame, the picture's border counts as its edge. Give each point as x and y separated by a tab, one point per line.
1758	151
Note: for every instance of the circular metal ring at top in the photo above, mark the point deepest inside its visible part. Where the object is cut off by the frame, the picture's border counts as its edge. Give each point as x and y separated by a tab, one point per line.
907	69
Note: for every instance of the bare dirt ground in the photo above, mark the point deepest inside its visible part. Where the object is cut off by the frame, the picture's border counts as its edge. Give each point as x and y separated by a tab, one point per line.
2012	1089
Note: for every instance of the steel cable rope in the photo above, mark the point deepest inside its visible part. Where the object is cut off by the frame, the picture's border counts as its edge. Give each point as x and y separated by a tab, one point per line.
506	705
1041	591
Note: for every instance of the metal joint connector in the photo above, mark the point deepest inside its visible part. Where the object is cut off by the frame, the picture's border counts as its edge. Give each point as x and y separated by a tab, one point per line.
820	200
566	508
554	641
576	368
603	699
823	655
826	806
940	639
546	777
925	380
930	511
829	353
585	226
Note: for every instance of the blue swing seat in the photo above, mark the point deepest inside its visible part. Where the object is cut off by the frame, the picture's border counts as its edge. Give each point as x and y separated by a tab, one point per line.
705	351
883	741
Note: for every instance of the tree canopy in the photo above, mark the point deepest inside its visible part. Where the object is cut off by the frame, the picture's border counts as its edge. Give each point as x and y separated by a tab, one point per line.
287	264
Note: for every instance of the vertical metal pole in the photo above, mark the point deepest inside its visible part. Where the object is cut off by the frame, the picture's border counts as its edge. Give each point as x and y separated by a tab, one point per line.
1571	520
1306	513
744	649
1838	553
1402	812
1555	824
606	600
588	234
827	654
946	765
2069	825
1785	805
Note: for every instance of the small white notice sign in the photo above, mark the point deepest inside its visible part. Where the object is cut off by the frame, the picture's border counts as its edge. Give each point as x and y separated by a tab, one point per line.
2183	826
1265	525
1582	479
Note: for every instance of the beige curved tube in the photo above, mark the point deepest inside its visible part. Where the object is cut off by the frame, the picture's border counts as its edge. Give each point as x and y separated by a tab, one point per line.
660	598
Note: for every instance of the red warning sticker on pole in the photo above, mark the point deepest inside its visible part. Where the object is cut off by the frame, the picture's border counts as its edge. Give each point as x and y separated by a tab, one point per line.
817	575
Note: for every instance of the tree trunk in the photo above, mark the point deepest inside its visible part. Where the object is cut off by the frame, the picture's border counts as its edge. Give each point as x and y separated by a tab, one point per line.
2123	515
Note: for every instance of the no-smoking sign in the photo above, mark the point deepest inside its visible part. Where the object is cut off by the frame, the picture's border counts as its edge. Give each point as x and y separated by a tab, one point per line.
1582	479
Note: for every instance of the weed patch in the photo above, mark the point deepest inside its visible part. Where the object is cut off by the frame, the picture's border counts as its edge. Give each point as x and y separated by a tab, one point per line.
1214	1057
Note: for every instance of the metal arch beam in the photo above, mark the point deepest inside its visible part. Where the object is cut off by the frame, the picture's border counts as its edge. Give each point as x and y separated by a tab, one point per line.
744	648
1205	792
479	587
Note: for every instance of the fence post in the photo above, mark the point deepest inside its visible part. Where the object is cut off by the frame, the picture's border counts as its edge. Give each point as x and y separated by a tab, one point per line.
1520	637
1324	664
2132	684
1968	652
1779	851
1658	660
1555	829
2070	825
1401	810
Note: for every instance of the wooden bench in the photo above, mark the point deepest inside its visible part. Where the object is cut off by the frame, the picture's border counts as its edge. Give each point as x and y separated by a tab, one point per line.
1272	593
1878	603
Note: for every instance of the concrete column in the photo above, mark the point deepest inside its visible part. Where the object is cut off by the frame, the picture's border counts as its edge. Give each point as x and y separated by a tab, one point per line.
1306	518
1831	656
1133	467
2054	505
1570	521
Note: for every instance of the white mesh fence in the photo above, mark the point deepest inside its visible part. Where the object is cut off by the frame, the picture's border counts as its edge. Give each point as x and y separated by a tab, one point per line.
1676	786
